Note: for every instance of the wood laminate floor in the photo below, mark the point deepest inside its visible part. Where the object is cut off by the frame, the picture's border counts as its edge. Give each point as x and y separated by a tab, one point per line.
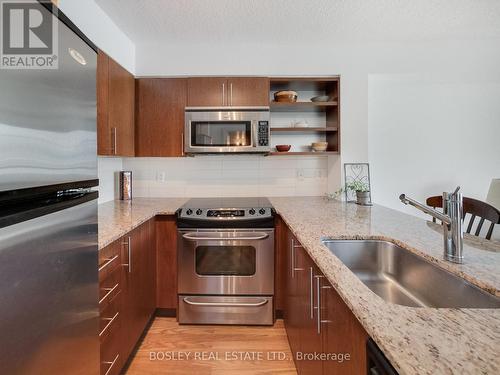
170	348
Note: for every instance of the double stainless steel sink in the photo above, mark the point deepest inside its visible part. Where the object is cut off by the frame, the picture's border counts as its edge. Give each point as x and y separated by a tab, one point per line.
399	276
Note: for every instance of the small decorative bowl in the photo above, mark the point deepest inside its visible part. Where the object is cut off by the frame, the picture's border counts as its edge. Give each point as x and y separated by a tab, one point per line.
283	148
285	96
319	146
321	98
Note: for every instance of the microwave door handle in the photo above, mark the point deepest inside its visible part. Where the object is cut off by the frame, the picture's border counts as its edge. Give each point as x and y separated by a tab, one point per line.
255	133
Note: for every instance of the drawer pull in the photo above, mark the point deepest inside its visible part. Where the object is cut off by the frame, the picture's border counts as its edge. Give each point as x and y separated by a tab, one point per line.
224	304
110	321
109	291
111	364
108	262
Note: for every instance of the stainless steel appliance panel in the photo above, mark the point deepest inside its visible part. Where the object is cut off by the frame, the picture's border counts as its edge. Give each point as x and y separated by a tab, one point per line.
226	310
49	318
226	261
48	120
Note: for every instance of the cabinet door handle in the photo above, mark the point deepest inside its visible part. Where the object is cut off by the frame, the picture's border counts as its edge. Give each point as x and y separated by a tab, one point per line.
325	320
318	306
311	292
113	141
182	143
231	93
293	268
129	249
223	93
111	364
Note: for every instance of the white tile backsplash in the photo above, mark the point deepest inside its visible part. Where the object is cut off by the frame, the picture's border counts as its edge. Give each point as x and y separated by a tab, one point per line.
228	175
107	167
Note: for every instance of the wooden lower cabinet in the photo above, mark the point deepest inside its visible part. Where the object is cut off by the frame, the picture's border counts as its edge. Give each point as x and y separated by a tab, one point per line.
166	266
135	301
317	320
342	334
292	313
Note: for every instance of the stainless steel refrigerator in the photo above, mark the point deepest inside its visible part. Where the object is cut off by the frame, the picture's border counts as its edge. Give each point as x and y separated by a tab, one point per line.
49	318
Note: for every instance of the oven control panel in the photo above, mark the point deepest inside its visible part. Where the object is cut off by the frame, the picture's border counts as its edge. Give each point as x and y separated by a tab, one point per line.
226	213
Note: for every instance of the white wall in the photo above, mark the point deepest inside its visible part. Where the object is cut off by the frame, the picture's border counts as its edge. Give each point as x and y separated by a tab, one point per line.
429	134
103	32
228	175
433	118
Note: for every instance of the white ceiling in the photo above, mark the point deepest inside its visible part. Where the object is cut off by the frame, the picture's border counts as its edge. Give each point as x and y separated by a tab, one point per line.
301	21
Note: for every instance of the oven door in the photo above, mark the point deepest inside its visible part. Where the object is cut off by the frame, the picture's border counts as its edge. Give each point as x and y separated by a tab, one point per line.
226	262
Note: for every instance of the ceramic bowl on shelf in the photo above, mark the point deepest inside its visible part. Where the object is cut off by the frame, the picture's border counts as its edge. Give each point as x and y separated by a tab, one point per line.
321	99
285	96
319	146
283	148
300	124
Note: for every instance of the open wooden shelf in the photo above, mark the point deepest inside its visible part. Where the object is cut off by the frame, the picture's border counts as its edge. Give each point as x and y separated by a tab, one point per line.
324	116
301	106
304	83
305	130
314	153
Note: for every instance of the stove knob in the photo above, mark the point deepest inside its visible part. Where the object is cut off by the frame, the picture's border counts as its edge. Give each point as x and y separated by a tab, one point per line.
189	211
251	211
262	211
198	212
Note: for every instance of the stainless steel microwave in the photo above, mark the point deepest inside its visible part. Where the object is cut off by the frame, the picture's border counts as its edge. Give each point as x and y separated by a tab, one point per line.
226	130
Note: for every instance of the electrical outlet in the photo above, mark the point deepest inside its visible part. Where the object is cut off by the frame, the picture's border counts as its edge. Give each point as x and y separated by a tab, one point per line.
161	176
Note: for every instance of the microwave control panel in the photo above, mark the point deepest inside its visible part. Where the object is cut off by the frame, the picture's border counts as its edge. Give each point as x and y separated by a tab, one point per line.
263	133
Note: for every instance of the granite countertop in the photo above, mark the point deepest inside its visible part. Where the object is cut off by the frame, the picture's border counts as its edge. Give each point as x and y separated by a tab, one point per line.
116	218
415	340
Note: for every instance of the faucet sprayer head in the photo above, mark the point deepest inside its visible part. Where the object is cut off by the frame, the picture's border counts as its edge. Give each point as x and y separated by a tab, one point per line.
403	199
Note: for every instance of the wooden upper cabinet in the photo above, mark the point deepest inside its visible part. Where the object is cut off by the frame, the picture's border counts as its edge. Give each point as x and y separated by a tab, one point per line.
160	104
115	108
207	91
223	91
248	91
103	130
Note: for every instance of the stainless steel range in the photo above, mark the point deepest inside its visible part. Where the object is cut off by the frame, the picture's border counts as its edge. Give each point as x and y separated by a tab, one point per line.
226	261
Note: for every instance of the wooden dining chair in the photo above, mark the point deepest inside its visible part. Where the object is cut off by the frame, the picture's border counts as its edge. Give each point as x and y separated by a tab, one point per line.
477	209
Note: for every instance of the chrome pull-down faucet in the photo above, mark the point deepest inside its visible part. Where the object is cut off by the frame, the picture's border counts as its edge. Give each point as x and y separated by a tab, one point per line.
452	218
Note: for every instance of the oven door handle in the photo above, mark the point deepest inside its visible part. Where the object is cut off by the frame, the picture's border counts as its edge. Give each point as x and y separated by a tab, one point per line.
225	304
195	236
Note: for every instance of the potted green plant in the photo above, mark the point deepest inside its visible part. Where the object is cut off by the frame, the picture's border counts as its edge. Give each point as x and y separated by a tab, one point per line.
362	192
